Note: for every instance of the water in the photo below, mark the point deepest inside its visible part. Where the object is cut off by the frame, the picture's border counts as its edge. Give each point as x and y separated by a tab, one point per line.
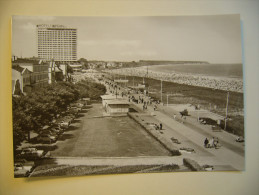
218	70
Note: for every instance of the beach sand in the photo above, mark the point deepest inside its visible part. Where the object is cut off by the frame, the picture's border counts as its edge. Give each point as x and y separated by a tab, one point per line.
221	83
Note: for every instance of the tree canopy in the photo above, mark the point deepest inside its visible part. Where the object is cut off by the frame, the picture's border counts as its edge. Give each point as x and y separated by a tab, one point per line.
42	105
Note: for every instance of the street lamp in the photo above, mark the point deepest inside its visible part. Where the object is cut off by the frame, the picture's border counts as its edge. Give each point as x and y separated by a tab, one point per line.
161	91
225	127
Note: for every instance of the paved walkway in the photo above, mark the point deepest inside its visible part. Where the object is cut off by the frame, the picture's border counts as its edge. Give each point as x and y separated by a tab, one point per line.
192	134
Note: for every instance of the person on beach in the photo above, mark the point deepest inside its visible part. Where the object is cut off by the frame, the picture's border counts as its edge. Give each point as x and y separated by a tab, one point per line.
211	143
161	126
206	141
216	143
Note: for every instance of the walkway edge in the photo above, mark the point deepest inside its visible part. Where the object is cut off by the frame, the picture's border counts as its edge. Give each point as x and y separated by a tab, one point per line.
167	144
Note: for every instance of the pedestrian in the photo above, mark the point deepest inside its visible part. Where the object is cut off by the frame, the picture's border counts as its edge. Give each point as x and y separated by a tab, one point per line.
216	141
174	116
211	142
206	141
161	126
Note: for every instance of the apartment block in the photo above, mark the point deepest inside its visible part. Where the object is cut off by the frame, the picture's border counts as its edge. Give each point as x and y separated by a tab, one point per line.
57	42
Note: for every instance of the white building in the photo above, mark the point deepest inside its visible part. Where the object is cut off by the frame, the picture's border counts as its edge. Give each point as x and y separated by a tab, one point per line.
116	106
57	42
21	78
76	67
112	105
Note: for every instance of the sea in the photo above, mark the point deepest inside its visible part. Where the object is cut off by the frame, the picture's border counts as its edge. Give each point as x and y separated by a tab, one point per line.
216	70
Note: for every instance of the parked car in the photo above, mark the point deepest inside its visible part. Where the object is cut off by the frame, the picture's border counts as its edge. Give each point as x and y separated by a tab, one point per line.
19	171
64	124
240	139
46	138
27	165
57	130
31	153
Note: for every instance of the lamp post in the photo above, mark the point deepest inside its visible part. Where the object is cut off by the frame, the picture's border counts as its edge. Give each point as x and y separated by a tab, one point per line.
161	91
226	113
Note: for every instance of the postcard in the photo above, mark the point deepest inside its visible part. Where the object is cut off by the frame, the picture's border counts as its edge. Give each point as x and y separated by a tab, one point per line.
112	95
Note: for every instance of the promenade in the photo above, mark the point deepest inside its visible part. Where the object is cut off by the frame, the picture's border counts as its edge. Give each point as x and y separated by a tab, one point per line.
97	144
191	134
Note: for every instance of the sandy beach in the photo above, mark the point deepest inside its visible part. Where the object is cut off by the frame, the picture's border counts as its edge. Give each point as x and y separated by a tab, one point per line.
221	83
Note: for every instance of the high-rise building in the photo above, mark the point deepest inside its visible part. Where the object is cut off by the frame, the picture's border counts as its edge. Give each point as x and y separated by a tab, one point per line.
57	42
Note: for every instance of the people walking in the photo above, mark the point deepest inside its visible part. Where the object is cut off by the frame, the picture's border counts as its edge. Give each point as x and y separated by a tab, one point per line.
216	143
206	141
211	143
161	126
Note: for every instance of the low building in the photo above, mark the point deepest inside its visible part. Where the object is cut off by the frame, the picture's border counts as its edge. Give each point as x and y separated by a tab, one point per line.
107	97
113	105
39	69
76	67
63	67
116	106
21	80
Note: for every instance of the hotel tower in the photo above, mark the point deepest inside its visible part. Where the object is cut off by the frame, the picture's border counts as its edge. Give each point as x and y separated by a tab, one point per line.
57	42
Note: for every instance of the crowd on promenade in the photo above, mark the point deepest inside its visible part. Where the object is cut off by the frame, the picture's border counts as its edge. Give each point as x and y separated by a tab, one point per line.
227	84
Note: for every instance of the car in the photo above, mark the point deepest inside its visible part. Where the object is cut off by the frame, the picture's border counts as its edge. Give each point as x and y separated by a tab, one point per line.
240	139
27	165
50	132
46	138
57	130
31	153
64	124
19	171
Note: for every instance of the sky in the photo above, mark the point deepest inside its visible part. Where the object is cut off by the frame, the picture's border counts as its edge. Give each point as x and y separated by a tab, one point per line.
216	39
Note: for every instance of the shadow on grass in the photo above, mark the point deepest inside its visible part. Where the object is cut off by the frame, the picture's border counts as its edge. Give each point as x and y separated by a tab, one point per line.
65	136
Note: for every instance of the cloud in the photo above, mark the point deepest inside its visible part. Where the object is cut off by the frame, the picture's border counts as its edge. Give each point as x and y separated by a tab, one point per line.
118	43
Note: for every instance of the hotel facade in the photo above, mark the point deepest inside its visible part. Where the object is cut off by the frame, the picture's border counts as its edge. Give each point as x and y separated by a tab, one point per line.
57	42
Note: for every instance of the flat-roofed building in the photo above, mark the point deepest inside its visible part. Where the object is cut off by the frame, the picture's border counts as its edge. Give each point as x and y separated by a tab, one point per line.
57	42
117	107
76	67
112	105
107	97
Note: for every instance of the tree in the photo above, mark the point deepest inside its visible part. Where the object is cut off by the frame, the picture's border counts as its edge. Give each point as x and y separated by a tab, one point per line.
84	62
17	90
39	107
